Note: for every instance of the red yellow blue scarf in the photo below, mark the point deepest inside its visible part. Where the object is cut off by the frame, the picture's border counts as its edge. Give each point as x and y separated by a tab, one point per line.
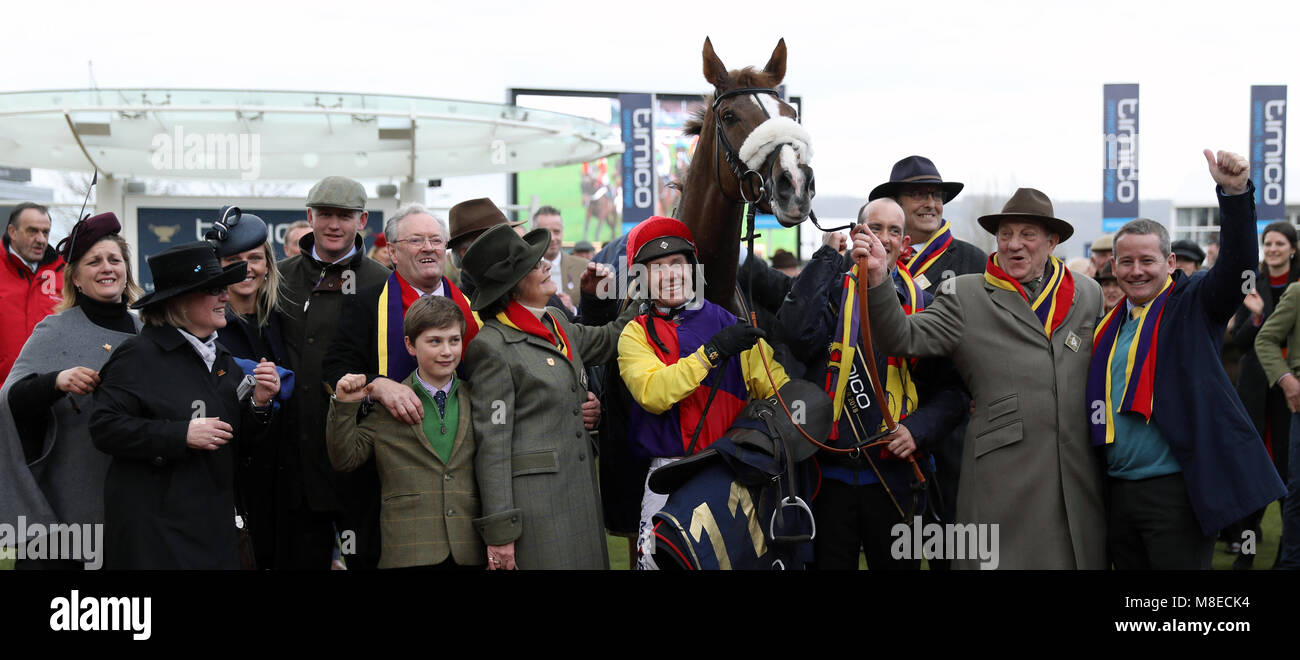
518	317
397	297
1139	392
1053	301
899	388
938	243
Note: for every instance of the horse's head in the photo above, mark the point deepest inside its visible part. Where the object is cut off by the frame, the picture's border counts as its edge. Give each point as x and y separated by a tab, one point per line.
758	139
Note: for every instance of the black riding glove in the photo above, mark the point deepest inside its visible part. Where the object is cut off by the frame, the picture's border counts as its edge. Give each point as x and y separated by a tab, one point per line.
731	340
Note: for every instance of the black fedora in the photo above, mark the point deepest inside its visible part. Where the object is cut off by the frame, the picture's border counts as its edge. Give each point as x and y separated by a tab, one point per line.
1028	204
499	258
188	267
912	170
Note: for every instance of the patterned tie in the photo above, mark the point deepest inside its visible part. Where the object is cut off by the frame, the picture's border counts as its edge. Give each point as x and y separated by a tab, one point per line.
440	398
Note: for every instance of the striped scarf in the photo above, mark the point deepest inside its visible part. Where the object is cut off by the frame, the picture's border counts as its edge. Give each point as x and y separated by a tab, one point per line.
398	296
515	316
1052	303
899	388
938	243
1139	393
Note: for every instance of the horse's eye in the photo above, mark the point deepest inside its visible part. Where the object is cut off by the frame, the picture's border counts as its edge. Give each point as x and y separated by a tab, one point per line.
729	117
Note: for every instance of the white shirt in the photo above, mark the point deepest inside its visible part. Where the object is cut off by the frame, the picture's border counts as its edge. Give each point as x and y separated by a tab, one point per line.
34	265
316	255
206	348
435	292
556	275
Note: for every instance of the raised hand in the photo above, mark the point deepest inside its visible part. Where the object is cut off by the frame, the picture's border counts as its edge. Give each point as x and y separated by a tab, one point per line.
268	383
592	276
867	246
1231	171
352	388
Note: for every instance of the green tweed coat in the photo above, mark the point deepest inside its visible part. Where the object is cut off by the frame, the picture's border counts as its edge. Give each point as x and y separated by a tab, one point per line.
536	463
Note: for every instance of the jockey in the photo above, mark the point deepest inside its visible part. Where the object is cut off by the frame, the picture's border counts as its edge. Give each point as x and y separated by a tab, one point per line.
689	364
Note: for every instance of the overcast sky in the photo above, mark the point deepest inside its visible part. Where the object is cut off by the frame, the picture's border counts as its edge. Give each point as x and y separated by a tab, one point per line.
999	94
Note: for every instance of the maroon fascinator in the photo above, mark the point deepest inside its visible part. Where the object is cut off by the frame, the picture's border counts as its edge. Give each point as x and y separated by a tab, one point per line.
86	234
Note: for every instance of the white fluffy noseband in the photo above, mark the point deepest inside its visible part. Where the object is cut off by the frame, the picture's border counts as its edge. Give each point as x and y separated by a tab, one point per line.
771	134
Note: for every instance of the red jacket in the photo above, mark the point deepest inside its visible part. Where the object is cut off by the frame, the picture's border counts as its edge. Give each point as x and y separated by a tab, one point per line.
25	299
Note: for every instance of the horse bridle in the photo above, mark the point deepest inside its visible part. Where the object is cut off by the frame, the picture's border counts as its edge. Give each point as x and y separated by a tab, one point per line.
736	164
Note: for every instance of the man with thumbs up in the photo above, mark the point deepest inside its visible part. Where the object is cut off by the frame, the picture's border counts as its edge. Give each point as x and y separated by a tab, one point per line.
1183	459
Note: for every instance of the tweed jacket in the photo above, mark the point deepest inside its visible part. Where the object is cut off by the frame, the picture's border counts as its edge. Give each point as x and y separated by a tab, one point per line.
536	462
1281	329
428	505
1028	464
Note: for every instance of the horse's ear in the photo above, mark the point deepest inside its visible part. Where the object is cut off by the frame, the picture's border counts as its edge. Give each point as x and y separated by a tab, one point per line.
714	71
776	65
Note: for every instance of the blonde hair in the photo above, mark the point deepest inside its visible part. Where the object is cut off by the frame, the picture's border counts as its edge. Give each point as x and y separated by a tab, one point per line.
130	294
268	293
167	312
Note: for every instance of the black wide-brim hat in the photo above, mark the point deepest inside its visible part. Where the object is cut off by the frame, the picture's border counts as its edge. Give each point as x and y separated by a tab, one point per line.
915	170
499	258
1028	204
188	267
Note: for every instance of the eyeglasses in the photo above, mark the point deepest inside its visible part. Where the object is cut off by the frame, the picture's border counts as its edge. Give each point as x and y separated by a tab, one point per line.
922	195
418	242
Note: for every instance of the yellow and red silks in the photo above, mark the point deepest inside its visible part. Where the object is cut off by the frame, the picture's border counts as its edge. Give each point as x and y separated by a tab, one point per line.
1052	303
1139	392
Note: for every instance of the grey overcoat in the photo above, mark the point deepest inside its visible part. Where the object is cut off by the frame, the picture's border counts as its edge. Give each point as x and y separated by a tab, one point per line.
1028	464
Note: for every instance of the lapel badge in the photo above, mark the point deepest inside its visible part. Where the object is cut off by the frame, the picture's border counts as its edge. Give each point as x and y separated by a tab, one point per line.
922	281
550	362
108	349
221	372
1072	342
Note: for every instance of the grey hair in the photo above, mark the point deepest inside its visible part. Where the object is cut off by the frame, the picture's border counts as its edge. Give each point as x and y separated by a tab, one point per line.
1147	227
390	227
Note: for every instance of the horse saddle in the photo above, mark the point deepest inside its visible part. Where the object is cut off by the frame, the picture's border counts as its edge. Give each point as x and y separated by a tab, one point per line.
742	503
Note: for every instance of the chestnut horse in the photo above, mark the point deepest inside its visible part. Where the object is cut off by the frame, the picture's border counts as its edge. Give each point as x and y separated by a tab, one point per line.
750	148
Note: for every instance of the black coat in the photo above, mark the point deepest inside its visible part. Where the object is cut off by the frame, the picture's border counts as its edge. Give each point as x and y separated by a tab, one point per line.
263	495
1265	403
168	506
961	258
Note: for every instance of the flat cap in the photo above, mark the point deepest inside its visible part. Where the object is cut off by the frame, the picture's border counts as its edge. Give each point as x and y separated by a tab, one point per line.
338	192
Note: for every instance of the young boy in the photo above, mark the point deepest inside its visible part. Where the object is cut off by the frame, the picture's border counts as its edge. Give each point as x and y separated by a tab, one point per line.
426	471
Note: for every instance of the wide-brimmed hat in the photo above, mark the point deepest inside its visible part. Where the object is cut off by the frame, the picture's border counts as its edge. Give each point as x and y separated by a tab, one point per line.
1028	204
914	170
500	258
188	267
471	217
1186	249
85	234
236	232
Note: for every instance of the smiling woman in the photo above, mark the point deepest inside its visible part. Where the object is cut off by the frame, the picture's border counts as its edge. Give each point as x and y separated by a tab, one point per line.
169	402
48	472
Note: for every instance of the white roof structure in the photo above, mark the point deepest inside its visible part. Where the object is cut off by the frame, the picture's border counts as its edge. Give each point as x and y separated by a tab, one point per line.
215	134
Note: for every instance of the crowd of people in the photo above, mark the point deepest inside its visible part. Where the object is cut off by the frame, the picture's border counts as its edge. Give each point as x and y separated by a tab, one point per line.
468	396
